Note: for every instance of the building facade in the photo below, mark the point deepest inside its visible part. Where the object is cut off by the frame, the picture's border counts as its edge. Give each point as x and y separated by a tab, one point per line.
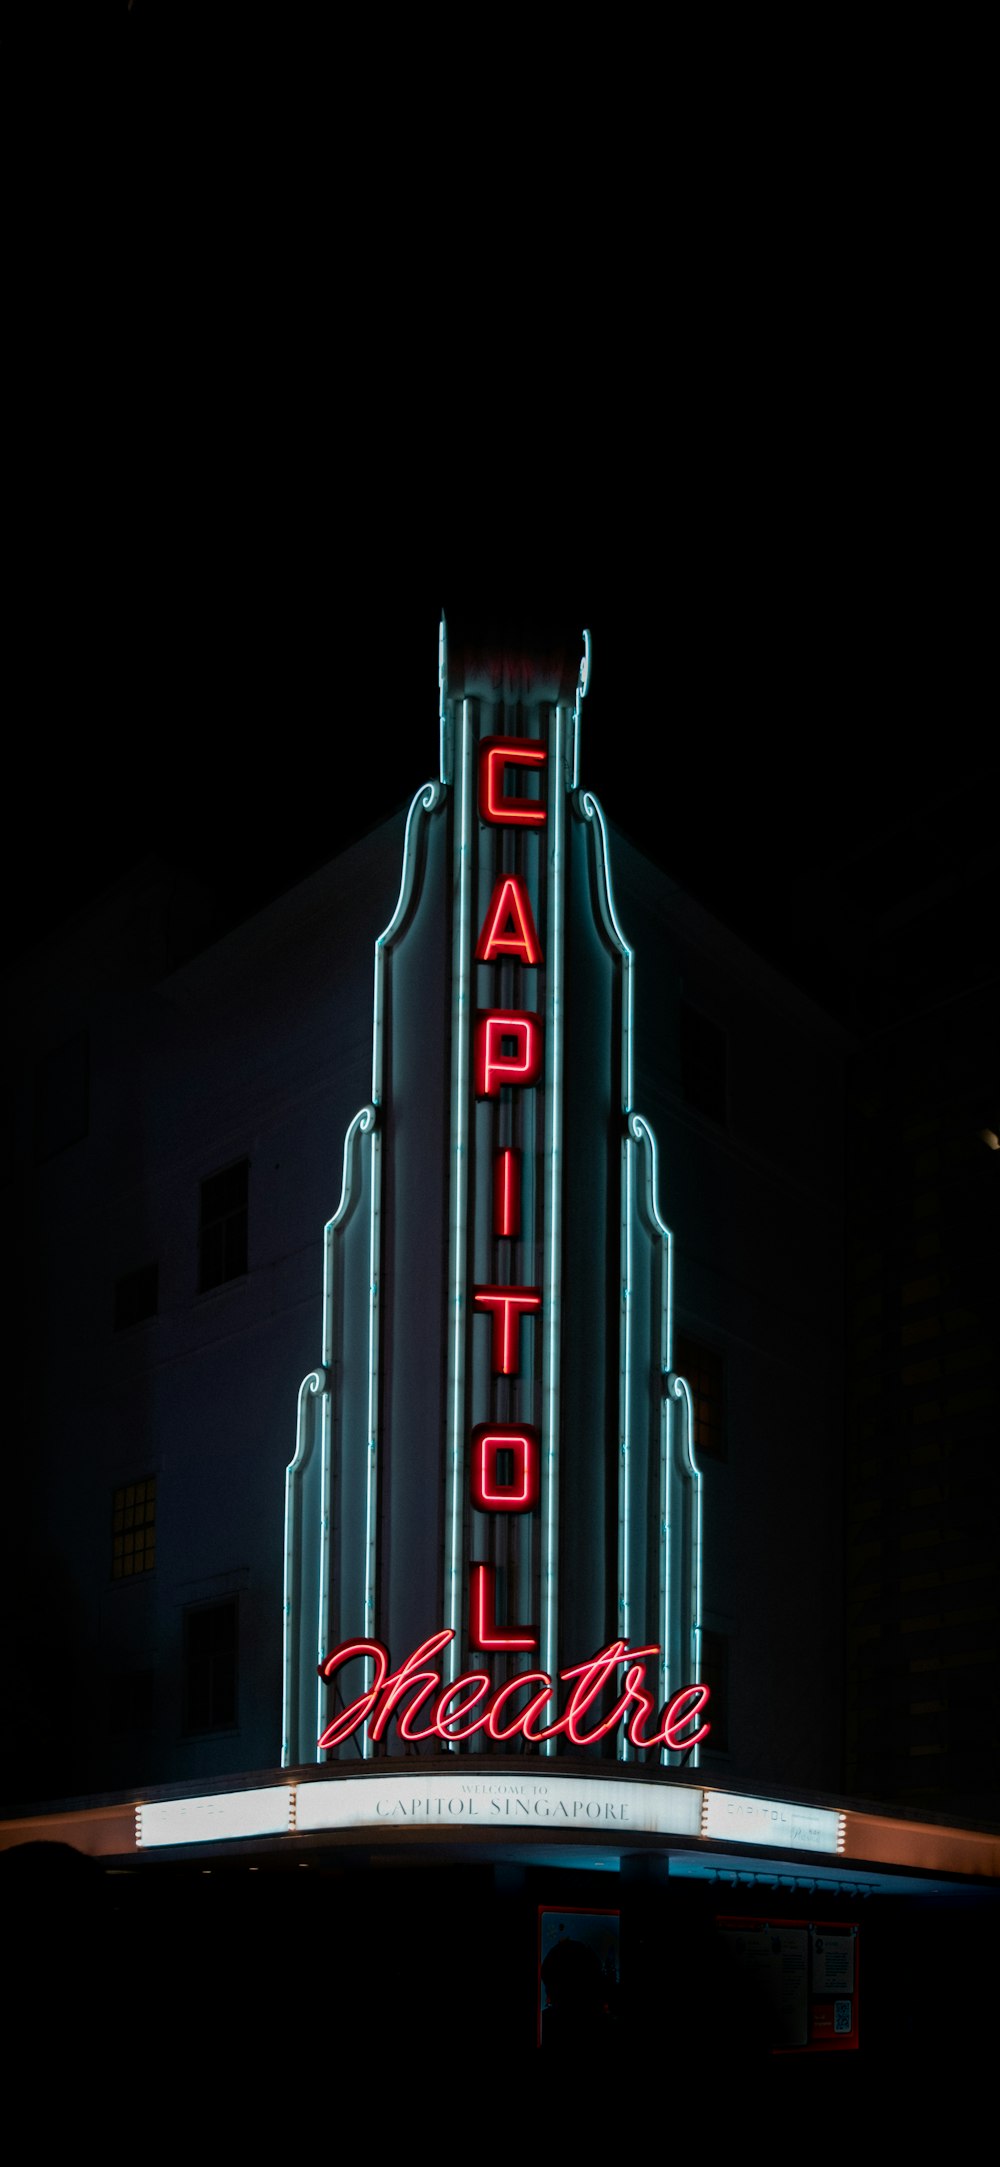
562	1389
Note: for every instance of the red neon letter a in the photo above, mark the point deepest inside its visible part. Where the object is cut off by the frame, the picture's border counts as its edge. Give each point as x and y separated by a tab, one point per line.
509	927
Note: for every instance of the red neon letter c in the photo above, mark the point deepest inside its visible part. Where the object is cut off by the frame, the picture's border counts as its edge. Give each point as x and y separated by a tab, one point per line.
496	754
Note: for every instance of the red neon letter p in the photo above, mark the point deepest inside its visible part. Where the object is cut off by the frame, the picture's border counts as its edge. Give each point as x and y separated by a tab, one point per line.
508	1049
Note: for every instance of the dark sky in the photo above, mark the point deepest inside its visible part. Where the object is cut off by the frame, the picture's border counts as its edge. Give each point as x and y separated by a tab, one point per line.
799	768
747	458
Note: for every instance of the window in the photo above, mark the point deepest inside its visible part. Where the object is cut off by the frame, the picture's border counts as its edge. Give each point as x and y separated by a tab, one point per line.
222	1243
62	1097
136	1296
704	1064
133	1529
704	1369
210	1639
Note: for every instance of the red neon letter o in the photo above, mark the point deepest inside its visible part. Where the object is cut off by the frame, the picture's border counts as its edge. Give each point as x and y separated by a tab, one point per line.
488	1441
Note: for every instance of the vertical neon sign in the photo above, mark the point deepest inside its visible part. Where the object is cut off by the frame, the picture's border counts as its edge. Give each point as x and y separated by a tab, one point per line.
510	1046
570	1506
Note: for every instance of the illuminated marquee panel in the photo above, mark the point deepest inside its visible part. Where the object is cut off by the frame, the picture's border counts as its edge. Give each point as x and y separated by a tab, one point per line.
454	1479
398	1799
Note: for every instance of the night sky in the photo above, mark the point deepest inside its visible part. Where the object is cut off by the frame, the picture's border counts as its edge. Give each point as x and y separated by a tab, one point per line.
800	769
724	411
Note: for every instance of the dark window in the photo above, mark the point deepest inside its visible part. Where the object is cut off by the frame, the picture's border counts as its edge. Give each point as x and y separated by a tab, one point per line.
704	1369
133	1529
62	1097
136	1296
223	1235
210	1666
715	1674
704	1064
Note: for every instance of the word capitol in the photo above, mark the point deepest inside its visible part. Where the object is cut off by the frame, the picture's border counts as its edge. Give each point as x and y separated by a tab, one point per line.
382	1699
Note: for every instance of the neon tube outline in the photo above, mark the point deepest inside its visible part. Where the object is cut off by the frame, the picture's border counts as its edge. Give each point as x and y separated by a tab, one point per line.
551	1307
643	1133
638	1130
625	1408
364	1123
444	729
424	800
316	1381
461	1014
582	689
591	809
679	1389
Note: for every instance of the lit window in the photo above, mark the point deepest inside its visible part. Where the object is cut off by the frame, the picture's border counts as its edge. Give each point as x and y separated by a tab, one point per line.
704	1369
222	1244
133	1529
210	1641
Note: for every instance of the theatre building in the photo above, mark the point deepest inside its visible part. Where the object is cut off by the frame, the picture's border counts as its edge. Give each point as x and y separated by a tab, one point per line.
429	1508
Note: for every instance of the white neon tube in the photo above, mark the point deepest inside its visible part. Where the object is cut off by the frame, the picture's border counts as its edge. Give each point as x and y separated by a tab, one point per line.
591	810
625	1409
363	1121
679	1389
424	801
444	730
643	1134
582	689
315	1382
363	1124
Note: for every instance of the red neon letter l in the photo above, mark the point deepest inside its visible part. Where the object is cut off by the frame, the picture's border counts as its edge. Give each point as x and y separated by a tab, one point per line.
484	1631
